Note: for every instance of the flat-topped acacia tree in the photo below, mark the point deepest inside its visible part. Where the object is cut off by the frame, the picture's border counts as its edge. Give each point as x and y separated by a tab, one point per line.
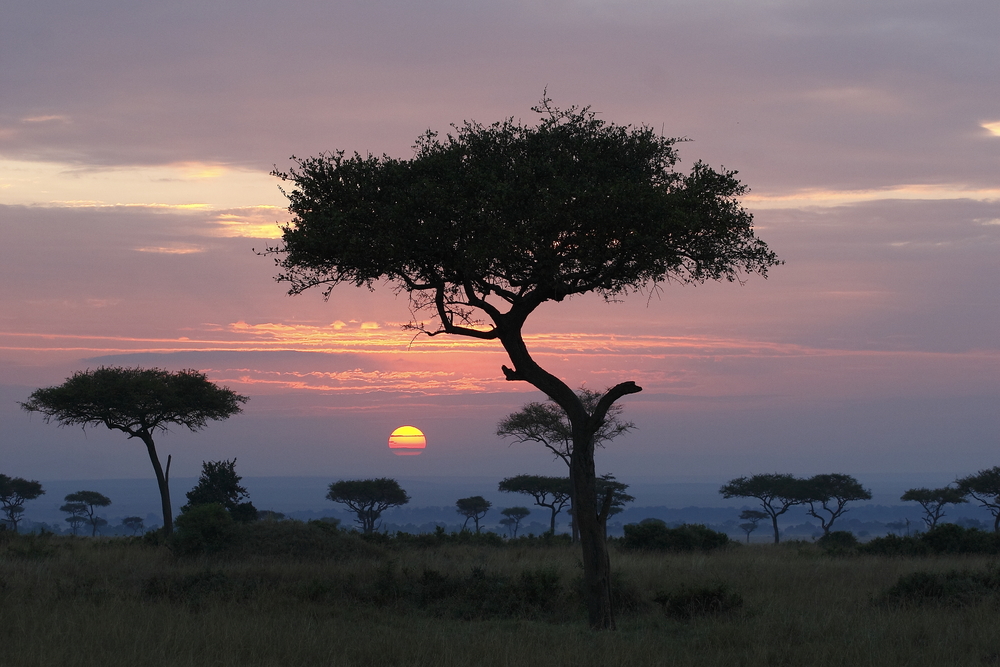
482	227
138	402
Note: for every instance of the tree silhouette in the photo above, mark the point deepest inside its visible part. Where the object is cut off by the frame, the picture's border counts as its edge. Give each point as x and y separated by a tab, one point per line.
550	492
220	484
546	423
368	498
133	523
85	504
14	492
751	518
484	226
933	502
777	493
139	402
473	507
984	487
828	495
513	517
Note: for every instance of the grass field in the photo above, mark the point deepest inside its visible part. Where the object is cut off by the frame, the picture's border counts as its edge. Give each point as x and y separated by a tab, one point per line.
110	602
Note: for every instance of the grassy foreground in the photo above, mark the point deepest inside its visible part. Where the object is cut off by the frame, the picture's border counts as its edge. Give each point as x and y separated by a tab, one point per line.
72	601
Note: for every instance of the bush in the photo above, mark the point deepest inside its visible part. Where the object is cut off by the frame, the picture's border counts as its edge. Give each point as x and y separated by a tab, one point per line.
207	528
687	603
955	587
656	536
947	538
838	542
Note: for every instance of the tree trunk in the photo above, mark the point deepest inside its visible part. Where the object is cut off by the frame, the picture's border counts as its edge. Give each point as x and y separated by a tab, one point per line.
774	522
161	481
596	562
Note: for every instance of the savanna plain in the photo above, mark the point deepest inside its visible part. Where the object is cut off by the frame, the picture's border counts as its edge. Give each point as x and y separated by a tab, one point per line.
311	594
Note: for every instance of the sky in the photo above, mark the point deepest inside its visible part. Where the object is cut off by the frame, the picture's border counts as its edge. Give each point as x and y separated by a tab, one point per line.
137	141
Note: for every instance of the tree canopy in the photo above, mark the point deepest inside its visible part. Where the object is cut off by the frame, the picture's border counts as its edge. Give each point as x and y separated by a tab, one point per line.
827	496
777	493
933	502
139	402
473	507
513	517
482	226
14	492
368	498
85	504
220	484
551	492
984	487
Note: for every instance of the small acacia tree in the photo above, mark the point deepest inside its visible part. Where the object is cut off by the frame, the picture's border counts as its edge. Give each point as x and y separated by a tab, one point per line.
550	492
14	492
546	423
473	507
984	487
220	484
139	402
777	493
133	523
513	517
484	226
85	504
368	498
827	496
933	502
751	518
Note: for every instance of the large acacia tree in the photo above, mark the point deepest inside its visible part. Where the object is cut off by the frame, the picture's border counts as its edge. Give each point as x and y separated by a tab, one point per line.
139	402
777	493
368	498
485	225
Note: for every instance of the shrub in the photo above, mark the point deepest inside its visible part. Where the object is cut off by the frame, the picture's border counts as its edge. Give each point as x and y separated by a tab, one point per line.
838	542
202	529
656	536
687	603
955	587
946	538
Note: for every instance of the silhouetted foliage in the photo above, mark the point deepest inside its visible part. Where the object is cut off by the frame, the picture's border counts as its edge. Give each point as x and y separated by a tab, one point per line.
945	538
139	402
368	498
513	517
133	523
484	226
220	484
85	504
984	486
550	492
933	502
958	588
473	507
654	535
838	542
206	528
828	495
751	519
777	493
14	492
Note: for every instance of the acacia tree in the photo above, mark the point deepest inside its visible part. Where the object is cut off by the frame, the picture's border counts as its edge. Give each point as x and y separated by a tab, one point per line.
777	493
14	492
133	523
751	518
220	484
85	504
473	507
547	423
513	517
139	402
368	498
484	226
933	502
550	492
984	487
828	495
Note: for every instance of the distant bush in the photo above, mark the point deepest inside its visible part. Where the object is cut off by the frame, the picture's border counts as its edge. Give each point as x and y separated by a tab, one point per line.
953	588
946	538
654	535
838	542
207	528
687	603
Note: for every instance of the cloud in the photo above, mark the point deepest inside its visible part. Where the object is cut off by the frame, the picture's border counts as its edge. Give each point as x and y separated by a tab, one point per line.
993	128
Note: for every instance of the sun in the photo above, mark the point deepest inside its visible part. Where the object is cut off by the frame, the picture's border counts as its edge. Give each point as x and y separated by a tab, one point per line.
407	441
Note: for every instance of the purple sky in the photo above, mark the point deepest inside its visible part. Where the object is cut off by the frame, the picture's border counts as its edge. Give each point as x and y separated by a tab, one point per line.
135	146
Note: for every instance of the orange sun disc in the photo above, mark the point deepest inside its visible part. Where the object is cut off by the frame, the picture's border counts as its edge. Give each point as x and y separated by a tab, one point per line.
407	441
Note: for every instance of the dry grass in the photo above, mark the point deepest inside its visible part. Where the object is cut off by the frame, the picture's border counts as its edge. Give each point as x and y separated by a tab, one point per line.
85	602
